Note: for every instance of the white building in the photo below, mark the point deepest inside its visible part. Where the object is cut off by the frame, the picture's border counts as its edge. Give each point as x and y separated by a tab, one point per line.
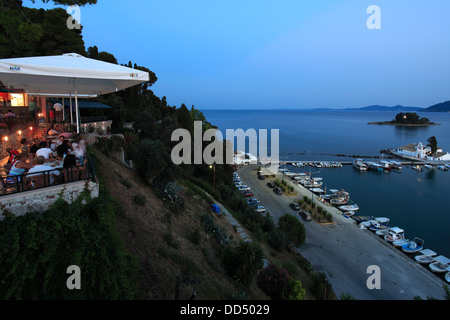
418	150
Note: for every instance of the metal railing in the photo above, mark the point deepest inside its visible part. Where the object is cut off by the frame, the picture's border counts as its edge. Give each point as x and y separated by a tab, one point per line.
40	180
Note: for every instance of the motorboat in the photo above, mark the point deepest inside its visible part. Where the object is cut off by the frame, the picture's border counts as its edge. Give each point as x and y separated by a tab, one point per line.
413	246
440	264
429	166
394	234
367	224
375	166
360	165
417	168
386	165
317	190
350	208
400	243
340	198
379	224
313	183
396	165
426	256
443	168
382	233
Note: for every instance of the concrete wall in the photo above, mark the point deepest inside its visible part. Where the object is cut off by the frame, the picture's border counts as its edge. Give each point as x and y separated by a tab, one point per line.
42	199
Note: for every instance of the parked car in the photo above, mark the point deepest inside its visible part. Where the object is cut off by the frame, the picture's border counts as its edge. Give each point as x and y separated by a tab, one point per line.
305	215
260	209
261	177
278	191
252	200
295	206
271	185
247	194
244	188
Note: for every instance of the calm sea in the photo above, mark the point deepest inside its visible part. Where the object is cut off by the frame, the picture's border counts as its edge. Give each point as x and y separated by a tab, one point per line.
414	201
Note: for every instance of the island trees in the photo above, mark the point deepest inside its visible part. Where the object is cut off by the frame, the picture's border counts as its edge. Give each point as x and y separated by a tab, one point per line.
432	143
410	118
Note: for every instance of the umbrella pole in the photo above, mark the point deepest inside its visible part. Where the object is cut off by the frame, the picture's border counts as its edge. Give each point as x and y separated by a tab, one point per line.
71	112
76	107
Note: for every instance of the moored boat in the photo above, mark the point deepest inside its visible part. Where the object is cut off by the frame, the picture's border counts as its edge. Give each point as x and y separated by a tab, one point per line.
440	264
350	208
413	246
400	243
443	168
417	168
396	165
379	224
386	165
394	234
360	165
426	256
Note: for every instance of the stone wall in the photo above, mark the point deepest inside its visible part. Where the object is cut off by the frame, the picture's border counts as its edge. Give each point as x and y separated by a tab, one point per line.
42	199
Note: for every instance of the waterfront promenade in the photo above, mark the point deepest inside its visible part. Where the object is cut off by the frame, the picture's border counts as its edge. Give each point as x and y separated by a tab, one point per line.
344	252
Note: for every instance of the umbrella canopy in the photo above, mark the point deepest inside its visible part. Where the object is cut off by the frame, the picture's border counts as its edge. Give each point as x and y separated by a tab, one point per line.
70	74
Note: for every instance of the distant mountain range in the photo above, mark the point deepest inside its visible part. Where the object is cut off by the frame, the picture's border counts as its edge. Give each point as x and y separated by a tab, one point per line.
440	107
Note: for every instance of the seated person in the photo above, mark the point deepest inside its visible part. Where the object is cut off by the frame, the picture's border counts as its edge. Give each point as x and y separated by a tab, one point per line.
25	148
19	168
63	149
52	131
70	161
42	167
35	147
45	151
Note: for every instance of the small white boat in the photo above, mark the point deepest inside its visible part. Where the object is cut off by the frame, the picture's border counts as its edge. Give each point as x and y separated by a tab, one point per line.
400	243
413	246
417	168
429	166
394	234
396	165
360	165
426	256
350	208
379	224
382	233
443	168
440	264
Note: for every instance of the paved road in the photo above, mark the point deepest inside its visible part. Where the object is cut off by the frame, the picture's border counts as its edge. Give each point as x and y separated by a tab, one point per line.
344	252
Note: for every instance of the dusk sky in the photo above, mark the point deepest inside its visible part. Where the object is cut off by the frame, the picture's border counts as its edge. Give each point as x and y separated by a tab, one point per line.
233	54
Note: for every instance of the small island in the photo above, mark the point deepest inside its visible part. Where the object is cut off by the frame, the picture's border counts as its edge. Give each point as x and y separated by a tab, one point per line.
410	119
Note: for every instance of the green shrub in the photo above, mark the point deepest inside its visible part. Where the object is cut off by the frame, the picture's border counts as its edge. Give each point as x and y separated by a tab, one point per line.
294	229
293	290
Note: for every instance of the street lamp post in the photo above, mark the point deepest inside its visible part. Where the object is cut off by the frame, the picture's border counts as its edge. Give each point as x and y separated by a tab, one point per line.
214	175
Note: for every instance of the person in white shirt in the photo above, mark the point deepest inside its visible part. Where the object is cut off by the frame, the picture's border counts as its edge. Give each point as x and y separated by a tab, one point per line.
58	111
42	167
45	151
